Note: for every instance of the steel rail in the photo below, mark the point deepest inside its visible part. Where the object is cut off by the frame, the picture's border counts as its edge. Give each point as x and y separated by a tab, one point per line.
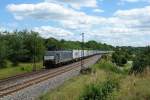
17	87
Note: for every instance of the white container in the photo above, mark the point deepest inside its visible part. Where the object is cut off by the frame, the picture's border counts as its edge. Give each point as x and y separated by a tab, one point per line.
76	54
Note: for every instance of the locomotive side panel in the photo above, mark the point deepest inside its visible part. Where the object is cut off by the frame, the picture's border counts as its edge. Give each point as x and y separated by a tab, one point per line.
65	56
53	58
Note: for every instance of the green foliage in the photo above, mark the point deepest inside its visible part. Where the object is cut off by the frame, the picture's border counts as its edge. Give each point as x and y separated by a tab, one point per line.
99	91
3	52
14	47
20	46
53	44
108	66
141	61
97	46
105	57
119	57
92	44
25	46
34	46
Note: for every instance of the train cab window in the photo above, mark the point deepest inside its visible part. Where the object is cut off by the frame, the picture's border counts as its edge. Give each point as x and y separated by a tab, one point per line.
57	56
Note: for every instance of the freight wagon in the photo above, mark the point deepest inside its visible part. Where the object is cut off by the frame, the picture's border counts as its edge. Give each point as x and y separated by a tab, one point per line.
55	58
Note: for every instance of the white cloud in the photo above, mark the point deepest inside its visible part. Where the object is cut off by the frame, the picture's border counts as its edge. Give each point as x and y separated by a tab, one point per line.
138	12
137	18
132	1
122	2
126	27
48	31
123	28
2	29
77	4
41	11
51	11
98	10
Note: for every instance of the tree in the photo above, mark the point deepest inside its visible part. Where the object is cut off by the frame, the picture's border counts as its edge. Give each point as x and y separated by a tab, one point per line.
3	52
119	57
92	45
142	61
34	45
15	44
25	46
52	44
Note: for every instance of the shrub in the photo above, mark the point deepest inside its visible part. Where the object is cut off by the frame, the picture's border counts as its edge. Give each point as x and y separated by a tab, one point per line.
109	66
22	68
119	58
3	63
99	91
141	61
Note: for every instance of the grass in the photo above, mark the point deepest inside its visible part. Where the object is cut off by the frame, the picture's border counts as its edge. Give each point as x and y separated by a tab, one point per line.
75	87
109	67
134	88
72	89
21	68
131	87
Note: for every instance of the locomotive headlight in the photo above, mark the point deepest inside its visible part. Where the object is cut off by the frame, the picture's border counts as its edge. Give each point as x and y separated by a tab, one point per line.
48	57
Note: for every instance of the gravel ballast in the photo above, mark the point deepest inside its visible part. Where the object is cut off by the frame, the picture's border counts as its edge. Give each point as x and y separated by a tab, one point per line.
34	91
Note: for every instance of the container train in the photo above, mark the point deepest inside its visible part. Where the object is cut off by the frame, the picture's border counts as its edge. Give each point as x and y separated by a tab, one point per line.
56	58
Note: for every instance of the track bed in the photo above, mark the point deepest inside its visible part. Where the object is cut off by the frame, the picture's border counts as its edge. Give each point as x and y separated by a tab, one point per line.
15	84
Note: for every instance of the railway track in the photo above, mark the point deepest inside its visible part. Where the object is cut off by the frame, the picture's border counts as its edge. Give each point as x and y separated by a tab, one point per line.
40	78
22	77
17	78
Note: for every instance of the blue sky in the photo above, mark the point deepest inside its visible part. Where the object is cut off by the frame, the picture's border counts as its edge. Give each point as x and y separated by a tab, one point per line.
116	22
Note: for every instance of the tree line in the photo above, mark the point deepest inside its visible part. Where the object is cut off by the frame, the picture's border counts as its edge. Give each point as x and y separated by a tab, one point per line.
141	61
20	46
139	55
24	46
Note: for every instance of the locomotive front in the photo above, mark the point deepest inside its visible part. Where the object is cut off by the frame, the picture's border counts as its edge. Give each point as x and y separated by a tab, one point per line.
49	59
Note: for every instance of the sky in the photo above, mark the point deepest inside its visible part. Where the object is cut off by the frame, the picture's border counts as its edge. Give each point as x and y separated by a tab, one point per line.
115	22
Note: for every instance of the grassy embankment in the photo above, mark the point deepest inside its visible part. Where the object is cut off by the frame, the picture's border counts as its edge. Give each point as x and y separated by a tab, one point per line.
102	76
134	88
21	68
106	82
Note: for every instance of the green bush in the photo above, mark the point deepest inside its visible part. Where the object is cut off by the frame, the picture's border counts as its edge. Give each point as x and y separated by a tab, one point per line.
98	91
3	52
141	61
108	66
3	63
119	57
22	68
